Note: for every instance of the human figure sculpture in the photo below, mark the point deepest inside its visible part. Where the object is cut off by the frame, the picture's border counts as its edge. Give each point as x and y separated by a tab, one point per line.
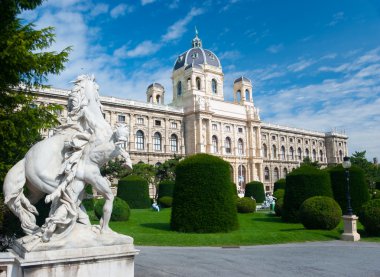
60	166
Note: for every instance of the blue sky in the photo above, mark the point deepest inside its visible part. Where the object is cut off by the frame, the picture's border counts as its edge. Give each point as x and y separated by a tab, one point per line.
314	64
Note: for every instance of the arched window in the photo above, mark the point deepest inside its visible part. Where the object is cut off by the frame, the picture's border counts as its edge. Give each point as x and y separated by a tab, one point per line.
314	155
238	96
173	143
240	147
179	88
198	81
158	98
214	144
299	154
214	86
321	155
285	172
227	145
140	140
282	152
266	173
151	99
276	175
274	152
247	94
291	151
157	164
340	155
307	153
157	141
265	151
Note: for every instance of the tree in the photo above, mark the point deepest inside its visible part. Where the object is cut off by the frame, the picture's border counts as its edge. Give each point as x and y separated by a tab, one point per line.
166	171
115	169
23	66
371	170
145	171
309	162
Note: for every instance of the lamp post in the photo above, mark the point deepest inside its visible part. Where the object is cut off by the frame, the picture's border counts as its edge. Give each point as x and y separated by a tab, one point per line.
346	165
349	219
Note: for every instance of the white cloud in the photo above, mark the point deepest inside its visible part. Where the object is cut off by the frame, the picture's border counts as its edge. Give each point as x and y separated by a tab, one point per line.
121	10
144	48
99	9
146	2
177	30
228	5
275	48
230	55
301	65
174	4
337	17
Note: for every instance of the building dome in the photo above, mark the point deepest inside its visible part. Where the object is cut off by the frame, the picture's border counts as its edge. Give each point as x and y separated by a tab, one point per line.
196	56
243	79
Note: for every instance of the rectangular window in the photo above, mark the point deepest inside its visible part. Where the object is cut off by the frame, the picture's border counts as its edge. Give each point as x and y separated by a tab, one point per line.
240	130
140	120
174	125
228	129
157	122
121	118
214	127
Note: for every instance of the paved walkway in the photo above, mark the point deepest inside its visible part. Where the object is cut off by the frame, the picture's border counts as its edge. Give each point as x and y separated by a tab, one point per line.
333	258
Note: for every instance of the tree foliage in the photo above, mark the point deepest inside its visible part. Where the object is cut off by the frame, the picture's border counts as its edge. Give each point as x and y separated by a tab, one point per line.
308	162
166	170
371	170
23	65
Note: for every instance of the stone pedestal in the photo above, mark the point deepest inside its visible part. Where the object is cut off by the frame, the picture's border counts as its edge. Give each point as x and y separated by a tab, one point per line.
83	253
350	230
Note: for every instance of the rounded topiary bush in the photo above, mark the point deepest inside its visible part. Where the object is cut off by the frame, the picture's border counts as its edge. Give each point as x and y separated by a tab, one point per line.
320	212
358	187
135	191
369	216
278	206
301	184
120	209
279	184
165	188
203	198
246	205
234	188
255	189
280	193
165	201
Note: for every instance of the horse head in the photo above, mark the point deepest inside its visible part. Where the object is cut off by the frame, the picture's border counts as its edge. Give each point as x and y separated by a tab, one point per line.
120	137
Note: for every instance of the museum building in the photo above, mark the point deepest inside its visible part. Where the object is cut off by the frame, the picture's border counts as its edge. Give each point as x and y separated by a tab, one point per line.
199	120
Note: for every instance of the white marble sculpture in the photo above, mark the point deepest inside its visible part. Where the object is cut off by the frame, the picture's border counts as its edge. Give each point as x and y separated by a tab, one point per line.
60	166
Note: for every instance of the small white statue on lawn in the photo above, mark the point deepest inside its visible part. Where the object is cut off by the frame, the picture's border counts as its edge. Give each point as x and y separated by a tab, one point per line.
60	166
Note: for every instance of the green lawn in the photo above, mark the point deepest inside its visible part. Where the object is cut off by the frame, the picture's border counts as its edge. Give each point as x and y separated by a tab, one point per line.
152	228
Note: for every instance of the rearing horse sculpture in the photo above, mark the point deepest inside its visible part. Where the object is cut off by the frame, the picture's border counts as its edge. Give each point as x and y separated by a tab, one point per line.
63	164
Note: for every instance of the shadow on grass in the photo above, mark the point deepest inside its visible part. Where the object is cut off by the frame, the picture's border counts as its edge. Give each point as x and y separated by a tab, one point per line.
157	226
269	219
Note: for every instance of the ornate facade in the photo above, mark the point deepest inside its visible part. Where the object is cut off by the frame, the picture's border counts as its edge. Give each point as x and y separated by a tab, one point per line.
199	120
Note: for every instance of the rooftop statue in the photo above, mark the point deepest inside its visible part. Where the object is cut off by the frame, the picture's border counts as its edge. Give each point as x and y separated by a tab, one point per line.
60	166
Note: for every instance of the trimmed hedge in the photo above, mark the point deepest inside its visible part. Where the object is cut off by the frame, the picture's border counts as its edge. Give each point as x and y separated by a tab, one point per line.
358	187
280	193
369	216
246	205
279	184
234	188
255	189
135	191
166	201
320	212
301	184
203	198
278	206
120	209
165	188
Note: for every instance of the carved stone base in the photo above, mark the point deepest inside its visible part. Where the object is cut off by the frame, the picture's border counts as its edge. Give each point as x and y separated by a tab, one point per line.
82	253
350	230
